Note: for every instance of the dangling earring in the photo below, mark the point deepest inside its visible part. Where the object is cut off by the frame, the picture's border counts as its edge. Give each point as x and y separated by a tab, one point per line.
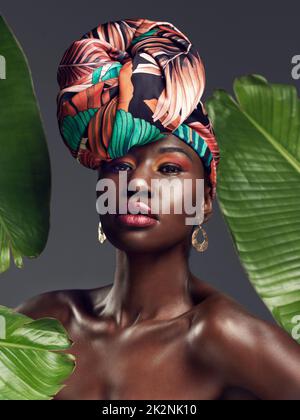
200	247
101	234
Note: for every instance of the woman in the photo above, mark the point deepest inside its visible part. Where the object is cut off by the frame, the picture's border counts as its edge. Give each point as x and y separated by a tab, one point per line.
130	103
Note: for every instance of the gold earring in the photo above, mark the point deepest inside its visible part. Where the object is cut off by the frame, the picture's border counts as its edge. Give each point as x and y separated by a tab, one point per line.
101	234
200	247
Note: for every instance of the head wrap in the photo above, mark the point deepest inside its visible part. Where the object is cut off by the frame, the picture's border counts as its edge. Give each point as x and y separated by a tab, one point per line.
125	83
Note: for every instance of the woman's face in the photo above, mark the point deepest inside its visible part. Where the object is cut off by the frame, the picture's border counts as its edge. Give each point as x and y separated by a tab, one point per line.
164	159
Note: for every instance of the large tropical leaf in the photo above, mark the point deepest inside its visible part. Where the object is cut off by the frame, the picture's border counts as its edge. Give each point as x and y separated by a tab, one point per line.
259	187
24	160
31	366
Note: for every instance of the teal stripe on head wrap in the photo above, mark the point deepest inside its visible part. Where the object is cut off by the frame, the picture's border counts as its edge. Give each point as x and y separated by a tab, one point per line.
203	149
144	35
73	128
111	72
200	146
129	131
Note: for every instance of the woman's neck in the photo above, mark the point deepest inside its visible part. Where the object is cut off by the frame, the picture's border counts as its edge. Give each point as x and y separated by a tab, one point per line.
149	286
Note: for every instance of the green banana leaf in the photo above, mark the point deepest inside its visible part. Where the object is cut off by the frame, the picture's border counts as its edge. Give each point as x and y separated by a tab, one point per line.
32	366
24	160
259	187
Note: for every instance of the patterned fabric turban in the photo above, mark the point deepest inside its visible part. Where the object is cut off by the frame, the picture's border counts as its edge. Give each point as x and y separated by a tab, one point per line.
125	83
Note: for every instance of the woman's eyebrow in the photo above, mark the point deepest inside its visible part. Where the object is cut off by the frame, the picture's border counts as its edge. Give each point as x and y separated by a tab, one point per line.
169	149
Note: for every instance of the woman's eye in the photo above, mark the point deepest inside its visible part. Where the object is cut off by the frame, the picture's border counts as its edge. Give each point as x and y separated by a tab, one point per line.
170	169
117	167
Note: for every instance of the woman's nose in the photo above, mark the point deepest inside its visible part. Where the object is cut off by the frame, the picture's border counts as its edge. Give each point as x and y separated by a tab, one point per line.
140	179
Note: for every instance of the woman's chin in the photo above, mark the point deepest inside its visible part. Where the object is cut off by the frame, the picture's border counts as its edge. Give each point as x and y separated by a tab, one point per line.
136	240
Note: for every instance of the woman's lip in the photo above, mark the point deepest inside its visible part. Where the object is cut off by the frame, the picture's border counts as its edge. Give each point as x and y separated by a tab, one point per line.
143	209
138	220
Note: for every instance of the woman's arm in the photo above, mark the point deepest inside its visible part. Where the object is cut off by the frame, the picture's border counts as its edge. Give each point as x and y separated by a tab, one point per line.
270	362
250	353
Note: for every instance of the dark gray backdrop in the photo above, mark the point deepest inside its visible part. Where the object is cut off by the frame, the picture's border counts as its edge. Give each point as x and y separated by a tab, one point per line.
233	37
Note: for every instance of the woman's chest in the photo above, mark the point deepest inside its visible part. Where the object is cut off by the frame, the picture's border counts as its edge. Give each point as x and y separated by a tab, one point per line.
138	366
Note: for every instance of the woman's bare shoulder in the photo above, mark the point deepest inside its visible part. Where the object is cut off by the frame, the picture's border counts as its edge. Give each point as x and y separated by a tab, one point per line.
47	305
59	304
214	302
